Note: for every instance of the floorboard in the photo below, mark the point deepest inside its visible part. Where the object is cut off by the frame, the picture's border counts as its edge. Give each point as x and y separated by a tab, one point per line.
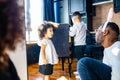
33	73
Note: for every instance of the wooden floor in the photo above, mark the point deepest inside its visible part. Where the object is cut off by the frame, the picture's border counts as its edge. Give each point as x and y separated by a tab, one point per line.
33	73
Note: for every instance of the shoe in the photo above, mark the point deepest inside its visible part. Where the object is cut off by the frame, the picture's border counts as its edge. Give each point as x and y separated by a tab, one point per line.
75	73
77	77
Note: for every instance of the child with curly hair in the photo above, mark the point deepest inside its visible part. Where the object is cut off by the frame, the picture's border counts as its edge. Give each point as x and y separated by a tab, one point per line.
48	56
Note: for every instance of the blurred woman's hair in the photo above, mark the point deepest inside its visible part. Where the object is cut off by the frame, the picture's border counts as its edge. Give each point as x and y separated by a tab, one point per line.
11	29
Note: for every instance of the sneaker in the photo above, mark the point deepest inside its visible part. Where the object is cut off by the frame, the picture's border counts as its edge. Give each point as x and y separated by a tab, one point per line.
75	73
77	77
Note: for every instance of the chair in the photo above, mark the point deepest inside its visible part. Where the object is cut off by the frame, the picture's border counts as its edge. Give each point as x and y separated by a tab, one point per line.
33	51
61	43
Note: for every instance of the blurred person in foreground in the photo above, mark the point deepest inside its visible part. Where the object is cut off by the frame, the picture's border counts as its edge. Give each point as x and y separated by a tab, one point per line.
11	32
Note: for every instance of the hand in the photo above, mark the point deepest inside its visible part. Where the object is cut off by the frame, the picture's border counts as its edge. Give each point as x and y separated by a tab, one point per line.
53	23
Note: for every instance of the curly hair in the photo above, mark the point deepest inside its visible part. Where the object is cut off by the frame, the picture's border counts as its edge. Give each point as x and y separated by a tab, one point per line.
11	29
43	29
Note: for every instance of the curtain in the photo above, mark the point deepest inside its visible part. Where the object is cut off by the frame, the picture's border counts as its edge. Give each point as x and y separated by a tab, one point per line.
49	10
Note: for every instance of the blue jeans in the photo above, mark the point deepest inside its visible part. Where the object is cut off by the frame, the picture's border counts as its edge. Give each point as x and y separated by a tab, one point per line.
92	69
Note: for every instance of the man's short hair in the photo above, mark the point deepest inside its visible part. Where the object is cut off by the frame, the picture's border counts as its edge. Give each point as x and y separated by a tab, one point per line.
114	27
76	14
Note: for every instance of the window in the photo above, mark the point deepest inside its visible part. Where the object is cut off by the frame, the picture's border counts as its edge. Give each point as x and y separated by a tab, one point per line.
77	5
33	18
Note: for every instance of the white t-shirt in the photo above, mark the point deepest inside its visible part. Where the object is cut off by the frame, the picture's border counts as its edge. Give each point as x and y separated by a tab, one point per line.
50	52
112	59
78	31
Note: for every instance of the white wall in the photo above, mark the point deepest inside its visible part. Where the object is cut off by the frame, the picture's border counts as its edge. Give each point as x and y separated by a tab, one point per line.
19	59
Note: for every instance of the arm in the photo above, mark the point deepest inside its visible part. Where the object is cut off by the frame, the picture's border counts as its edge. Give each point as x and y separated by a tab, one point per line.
116	64
53	23
72	31
43	46
76	28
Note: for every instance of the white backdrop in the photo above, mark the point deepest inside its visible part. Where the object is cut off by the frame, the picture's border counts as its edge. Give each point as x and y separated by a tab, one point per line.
19	59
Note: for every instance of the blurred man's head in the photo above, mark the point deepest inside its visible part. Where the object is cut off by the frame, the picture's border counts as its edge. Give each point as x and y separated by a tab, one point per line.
110	35
76	17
